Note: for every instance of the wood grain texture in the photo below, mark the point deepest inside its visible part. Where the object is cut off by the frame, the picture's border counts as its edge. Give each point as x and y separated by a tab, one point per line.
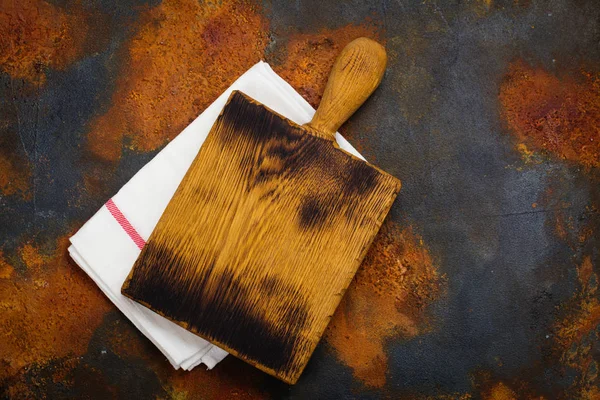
269	225
262	238
356	73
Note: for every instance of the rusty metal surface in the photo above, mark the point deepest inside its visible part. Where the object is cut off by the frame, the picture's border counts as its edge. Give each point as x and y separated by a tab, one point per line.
483	282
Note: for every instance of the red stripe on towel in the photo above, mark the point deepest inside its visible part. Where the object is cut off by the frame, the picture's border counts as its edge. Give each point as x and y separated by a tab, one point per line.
125	224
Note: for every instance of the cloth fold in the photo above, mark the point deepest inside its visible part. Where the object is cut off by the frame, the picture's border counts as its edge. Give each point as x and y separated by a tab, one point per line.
107	246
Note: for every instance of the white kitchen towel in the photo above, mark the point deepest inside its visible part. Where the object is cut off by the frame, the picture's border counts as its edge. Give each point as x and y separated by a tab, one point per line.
107	246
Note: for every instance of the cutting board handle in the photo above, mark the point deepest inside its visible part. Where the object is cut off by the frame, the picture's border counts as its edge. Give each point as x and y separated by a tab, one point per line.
356	73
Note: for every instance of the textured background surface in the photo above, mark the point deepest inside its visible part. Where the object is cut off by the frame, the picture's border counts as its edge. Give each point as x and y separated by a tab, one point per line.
483	282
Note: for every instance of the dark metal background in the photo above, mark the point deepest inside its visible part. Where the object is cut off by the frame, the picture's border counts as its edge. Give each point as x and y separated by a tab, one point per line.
483	283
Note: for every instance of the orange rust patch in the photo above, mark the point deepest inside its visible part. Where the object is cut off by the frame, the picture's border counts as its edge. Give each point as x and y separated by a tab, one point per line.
310	57
574	328
106	138
562	224
6	270
32	257
15	176
558	116
49	312
576	333
395	283
500	392
232	379
585	270
182	57
528	156
488	387
35	34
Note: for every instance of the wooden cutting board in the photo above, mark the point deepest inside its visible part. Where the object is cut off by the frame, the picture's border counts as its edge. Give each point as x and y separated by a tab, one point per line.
269	225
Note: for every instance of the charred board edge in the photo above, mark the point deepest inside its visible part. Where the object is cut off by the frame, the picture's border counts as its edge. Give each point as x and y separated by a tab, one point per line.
277	346
392	179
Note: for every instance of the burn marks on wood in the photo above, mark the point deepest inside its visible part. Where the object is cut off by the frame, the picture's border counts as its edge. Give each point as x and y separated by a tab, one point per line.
333	188
287	152
243	253
312	213
265	323
359	178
